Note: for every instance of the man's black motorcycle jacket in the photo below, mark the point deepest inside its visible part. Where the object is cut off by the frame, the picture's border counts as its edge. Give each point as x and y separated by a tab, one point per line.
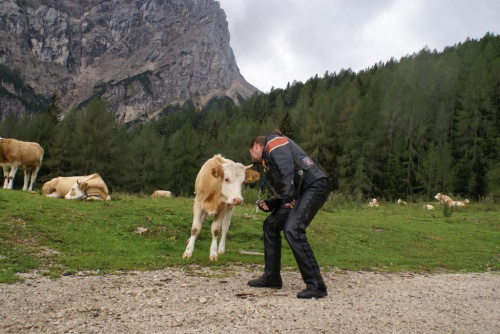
287	168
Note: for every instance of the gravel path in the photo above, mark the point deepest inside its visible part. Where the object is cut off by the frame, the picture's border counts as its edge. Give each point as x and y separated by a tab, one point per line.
203	300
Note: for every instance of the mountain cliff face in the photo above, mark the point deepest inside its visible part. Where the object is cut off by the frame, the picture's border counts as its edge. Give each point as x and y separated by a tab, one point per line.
139	55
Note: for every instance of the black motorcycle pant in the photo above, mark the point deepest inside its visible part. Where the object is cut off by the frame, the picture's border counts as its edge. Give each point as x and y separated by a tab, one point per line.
293	223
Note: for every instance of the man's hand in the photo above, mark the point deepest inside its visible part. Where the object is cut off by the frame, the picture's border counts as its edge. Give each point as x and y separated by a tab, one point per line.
263	206
290	205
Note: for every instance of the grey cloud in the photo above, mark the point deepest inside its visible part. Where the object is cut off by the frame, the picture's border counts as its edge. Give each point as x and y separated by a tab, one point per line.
328	35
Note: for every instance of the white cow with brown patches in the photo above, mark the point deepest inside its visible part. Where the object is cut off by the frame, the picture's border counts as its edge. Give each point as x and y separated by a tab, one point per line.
218	189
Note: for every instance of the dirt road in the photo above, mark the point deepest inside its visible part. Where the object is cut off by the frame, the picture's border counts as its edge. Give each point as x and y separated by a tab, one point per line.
202	300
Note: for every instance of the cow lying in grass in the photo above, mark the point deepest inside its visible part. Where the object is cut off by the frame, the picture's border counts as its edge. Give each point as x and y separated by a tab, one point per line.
218	189
89	187
461	203
161	193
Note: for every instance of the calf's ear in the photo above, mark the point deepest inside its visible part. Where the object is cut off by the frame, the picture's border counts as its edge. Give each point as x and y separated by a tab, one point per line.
251	176
84	186
217	171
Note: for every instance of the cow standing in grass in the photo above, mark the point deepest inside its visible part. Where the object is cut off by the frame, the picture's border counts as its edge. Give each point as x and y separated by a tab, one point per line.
15	154
444	199
218	189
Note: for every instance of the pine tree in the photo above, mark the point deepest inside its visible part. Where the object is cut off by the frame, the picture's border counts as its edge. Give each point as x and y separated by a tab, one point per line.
144	162
53	109
183	160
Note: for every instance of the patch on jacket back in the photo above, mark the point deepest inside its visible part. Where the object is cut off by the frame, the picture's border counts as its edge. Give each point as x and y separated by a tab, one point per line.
275	143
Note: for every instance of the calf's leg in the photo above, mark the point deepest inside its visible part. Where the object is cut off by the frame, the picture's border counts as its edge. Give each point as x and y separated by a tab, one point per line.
225	227
26	179
199	217
55	194
215	228
6	169
12	175
34	173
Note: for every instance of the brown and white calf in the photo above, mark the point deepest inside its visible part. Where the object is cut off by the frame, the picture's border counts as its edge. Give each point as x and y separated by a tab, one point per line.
218	189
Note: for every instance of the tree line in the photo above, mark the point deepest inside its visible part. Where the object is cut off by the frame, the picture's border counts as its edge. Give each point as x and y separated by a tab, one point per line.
427	123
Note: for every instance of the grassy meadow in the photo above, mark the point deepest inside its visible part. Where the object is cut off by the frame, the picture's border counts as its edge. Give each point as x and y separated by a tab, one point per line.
60	237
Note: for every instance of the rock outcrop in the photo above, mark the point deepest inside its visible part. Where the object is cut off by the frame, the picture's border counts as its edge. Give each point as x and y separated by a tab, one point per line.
138	55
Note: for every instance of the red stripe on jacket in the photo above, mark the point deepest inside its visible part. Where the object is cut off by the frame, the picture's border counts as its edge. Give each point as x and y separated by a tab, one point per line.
276	142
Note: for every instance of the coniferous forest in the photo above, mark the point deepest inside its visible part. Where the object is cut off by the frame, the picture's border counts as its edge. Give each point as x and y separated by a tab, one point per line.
408	128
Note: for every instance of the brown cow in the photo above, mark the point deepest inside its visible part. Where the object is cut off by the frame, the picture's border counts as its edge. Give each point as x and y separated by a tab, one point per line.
89	187
218	189
15	154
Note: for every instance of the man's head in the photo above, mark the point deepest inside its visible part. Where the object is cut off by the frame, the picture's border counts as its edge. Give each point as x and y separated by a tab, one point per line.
256	147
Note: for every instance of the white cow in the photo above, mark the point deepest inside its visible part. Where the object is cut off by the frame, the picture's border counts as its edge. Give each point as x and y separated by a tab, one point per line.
461	203
428	207
373	203
218	189
161	193
401	202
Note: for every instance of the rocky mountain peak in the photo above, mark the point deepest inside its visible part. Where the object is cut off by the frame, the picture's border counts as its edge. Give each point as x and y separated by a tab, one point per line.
139	55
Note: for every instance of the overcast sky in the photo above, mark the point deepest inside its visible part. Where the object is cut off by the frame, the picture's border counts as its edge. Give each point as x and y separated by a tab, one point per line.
279	41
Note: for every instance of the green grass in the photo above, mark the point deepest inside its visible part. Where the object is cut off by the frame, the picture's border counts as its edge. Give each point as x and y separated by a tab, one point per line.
60	237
